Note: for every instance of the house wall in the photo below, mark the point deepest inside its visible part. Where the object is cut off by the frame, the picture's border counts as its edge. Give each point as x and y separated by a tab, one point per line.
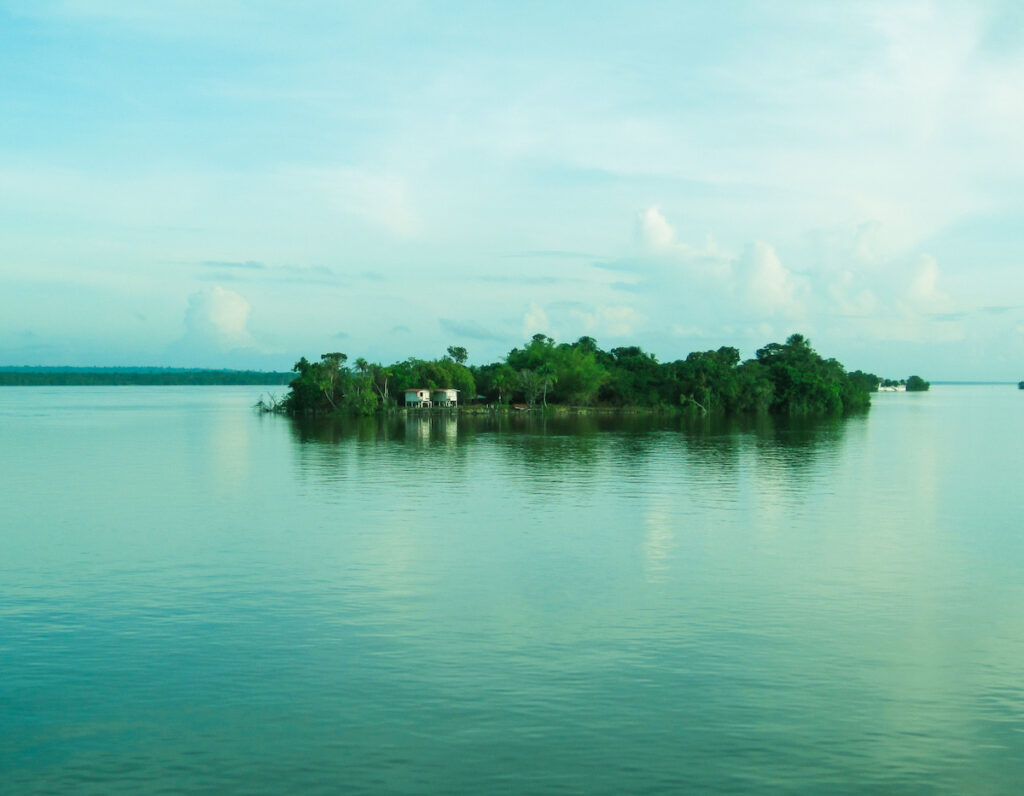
444	396
417	398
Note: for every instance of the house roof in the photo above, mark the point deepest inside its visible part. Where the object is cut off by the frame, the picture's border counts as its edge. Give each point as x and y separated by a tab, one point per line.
417	389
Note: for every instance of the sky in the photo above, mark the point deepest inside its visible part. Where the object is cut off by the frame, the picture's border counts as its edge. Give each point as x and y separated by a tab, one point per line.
238	184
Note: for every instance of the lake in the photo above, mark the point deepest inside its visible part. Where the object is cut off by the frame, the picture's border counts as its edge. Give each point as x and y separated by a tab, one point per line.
196	597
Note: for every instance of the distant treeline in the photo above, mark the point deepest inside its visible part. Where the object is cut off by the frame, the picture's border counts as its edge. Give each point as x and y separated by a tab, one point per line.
96	377
783	378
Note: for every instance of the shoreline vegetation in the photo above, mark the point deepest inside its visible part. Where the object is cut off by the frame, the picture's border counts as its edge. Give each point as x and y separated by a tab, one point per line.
788	378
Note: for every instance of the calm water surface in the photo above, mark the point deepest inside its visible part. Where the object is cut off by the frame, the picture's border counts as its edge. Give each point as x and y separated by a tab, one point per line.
194	597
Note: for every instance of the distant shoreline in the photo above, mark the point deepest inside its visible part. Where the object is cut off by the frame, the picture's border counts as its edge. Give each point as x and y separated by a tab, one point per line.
139	376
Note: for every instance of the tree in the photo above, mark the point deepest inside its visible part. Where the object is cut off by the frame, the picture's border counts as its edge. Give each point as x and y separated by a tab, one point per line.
917	384
320	385
330	375
547	376
806	383
580	375
380	376
530	383
458	353
635	378
866	381
504	381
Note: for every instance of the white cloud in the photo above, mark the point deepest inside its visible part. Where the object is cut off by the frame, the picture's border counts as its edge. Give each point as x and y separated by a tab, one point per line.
768	285
655	231
707	262
218	319
535	320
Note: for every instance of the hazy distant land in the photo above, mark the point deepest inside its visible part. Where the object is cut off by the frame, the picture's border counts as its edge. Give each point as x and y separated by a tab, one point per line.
98	377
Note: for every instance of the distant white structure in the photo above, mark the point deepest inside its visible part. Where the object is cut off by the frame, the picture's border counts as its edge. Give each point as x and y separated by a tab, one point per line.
447	397
417	397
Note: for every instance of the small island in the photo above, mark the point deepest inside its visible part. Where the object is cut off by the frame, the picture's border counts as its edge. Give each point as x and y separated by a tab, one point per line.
788	378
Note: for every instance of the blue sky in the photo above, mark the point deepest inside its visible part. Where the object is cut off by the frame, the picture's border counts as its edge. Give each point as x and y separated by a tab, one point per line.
239	184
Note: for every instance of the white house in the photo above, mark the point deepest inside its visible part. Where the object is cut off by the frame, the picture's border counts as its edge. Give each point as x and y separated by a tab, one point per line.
448	397
417	397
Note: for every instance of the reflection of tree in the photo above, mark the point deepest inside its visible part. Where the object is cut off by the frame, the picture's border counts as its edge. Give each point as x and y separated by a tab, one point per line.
796	443
785	448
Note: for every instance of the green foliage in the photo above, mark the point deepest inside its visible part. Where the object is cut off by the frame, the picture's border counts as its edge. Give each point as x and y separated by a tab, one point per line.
709	380
917	384
529	383
496	381
865	381
806	383
566	373
331	386
458	353
634	378
435	375
578	374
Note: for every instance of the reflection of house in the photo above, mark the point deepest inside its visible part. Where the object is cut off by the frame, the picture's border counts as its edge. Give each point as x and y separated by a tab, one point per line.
417	397
447	397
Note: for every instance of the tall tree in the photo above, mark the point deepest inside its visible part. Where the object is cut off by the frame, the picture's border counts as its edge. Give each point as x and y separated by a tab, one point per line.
458	354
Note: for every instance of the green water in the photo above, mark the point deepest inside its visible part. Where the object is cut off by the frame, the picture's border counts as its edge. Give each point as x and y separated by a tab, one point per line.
195	597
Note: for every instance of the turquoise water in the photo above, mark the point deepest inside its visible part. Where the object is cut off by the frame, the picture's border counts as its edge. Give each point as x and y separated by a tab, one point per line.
195	597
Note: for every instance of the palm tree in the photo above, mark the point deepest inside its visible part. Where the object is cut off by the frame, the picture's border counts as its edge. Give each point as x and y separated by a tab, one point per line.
548	377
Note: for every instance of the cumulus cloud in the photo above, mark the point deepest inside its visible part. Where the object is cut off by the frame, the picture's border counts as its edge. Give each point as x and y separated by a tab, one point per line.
767	284
707	262
217	333
655	231
535	320
218	318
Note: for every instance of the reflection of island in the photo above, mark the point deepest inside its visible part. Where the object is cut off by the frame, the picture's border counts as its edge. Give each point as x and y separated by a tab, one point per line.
569	449
1020	385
